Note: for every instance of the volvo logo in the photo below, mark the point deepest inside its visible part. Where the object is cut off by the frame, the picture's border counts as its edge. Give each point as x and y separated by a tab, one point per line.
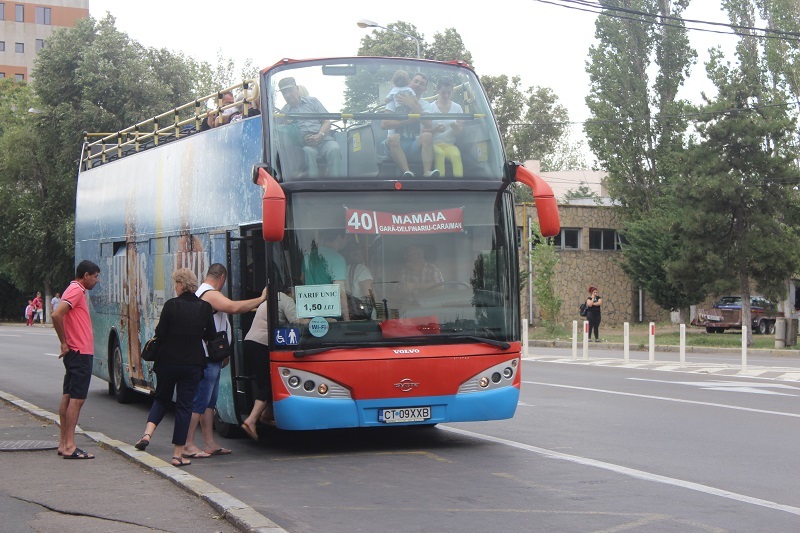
407	350
406	385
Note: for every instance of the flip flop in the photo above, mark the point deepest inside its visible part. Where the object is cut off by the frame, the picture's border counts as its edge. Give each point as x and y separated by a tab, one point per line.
197	455
78	454
250	433
181	462
221	451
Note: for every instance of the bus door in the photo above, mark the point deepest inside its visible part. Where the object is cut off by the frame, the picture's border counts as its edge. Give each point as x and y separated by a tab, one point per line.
248	274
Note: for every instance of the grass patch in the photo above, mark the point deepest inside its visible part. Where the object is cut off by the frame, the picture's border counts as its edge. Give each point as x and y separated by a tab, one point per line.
667	334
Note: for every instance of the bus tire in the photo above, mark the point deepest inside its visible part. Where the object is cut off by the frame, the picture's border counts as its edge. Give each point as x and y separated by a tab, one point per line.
117	383
225	430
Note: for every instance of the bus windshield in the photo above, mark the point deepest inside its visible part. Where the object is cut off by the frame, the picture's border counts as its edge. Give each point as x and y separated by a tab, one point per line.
361	271
331	119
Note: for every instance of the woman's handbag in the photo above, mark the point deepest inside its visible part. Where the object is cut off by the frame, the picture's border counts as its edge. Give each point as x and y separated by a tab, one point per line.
150	350
219	349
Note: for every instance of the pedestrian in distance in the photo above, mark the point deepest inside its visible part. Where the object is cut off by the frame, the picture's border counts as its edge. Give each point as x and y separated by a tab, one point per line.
185	322
205	399
73	326
29	313
54	303
593	305
37	309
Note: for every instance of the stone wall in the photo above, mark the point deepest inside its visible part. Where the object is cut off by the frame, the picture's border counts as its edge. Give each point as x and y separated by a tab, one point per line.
578	269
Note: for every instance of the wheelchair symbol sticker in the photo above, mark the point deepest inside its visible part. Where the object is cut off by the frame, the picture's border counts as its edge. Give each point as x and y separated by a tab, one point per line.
287	336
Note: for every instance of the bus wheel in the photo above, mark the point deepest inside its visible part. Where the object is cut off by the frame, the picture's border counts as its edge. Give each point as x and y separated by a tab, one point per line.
122	392
225	430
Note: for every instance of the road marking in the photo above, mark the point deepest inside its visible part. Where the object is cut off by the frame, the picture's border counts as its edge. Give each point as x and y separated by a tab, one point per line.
664	398
729	386
631	472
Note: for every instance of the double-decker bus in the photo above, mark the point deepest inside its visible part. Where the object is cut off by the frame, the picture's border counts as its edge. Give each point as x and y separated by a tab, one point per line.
252	196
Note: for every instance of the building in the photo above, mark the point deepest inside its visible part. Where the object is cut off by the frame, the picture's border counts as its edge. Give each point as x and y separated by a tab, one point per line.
588	249
563	181
26	26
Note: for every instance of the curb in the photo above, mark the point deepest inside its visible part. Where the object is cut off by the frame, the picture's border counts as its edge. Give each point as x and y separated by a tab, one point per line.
234	510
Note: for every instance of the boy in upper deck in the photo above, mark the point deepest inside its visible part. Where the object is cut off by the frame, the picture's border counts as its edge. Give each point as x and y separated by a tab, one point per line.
400	79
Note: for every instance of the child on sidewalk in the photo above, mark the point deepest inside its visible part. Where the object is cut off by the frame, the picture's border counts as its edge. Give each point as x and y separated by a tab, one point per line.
29	314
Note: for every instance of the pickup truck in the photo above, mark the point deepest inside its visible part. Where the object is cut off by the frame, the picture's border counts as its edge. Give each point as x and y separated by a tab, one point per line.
727	314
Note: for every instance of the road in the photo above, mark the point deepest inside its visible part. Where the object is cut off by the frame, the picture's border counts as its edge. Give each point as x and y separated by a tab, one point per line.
591	448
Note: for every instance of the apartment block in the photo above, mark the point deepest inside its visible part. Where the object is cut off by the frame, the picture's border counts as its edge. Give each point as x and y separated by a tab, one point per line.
25	27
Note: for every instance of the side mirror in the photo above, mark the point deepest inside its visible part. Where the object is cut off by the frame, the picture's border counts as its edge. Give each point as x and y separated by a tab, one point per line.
273	205
546	205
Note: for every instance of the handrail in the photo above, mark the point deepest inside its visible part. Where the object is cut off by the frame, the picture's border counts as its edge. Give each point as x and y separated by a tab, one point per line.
133	136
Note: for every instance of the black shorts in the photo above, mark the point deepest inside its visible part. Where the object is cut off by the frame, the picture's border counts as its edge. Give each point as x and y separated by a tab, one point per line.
78	374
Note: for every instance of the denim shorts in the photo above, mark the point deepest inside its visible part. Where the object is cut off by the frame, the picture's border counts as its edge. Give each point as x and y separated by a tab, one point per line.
411	147
206	397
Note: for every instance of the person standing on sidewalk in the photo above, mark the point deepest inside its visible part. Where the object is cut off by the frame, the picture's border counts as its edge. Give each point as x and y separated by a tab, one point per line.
37	309
73	326
593	304
206	398
185	322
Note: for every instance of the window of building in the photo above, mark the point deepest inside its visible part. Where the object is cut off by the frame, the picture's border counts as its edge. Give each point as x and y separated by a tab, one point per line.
2	46
19	13
2	74
19	77
19	48
43	15
604	239
39	44
2	11
568	239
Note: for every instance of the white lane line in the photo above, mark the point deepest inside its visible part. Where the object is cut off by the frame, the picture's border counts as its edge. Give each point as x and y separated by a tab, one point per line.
631	472
664	398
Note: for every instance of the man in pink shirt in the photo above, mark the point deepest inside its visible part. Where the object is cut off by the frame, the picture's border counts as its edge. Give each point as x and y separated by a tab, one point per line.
73	326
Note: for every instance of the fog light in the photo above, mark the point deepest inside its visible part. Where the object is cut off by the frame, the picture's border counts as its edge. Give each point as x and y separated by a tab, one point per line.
322	389
309	385
294	382
496	377
507	372
514	363
484	382
286	372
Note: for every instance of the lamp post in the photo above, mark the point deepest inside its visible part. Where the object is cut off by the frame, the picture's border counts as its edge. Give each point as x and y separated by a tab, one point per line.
364	23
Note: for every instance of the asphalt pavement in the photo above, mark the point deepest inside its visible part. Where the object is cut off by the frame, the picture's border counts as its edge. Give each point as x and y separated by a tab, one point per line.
120	490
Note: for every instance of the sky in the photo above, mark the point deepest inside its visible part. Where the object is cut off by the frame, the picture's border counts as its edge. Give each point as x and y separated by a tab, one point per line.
545	44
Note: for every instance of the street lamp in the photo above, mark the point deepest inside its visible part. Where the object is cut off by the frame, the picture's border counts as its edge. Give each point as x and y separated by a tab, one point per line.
364	23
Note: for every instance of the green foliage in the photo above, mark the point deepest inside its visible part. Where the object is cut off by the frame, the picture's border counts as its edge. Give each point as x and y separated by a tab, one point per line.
91	77
583	191
741	178
637	127
543	262
382	43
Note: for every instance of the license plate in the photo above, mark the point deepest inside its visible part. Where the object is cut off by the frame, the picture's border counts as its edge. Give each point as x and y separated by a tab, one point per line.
406	414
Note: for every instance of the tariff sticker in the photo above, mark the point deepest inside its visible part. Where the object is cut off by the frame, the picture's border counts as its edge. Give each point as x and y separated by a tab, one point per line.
427	222
318	300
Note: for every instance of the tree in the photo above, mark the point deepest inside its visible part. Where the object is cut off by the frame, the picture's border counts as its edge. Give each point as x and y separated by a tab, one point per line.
382	43
566	155
637	127
544	259
583	191
91	77
742	176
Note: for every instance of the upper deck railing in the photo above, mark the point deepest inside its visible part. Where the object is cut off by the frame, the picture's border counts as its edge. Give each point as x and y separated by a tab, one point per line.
165	127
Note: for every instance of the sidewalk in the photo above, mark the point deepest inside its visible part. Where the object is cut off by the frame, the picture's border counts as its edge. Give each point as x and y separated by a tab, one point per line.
121	490
599	355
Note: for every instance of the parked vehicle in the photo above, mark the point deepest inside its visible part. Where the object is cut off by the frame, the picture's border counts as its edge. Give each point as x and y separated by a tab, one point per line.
726	313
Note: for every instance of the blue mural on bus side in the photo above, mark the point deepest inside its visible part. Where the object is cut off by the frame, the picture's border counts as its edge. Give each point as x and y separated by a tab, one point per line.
145	215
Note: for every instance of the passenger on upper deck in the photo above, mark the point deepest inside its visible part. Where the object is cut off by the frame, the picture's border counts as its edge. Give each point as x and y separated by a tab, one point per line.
446	131
406	141
314	131
400	81
213	120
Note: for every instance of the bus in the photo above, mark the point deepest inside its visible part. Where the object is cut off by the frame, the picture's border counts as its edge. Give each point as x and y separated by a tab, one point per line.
251	195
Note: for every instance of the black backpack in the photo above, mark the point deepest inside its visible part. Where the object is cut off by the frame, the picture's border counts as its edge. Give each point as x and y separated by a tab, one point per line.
582	311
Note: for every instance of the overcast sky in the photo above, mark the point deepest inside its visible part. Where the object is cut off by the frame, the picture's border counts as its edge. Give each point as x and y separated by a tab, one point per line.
545	44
